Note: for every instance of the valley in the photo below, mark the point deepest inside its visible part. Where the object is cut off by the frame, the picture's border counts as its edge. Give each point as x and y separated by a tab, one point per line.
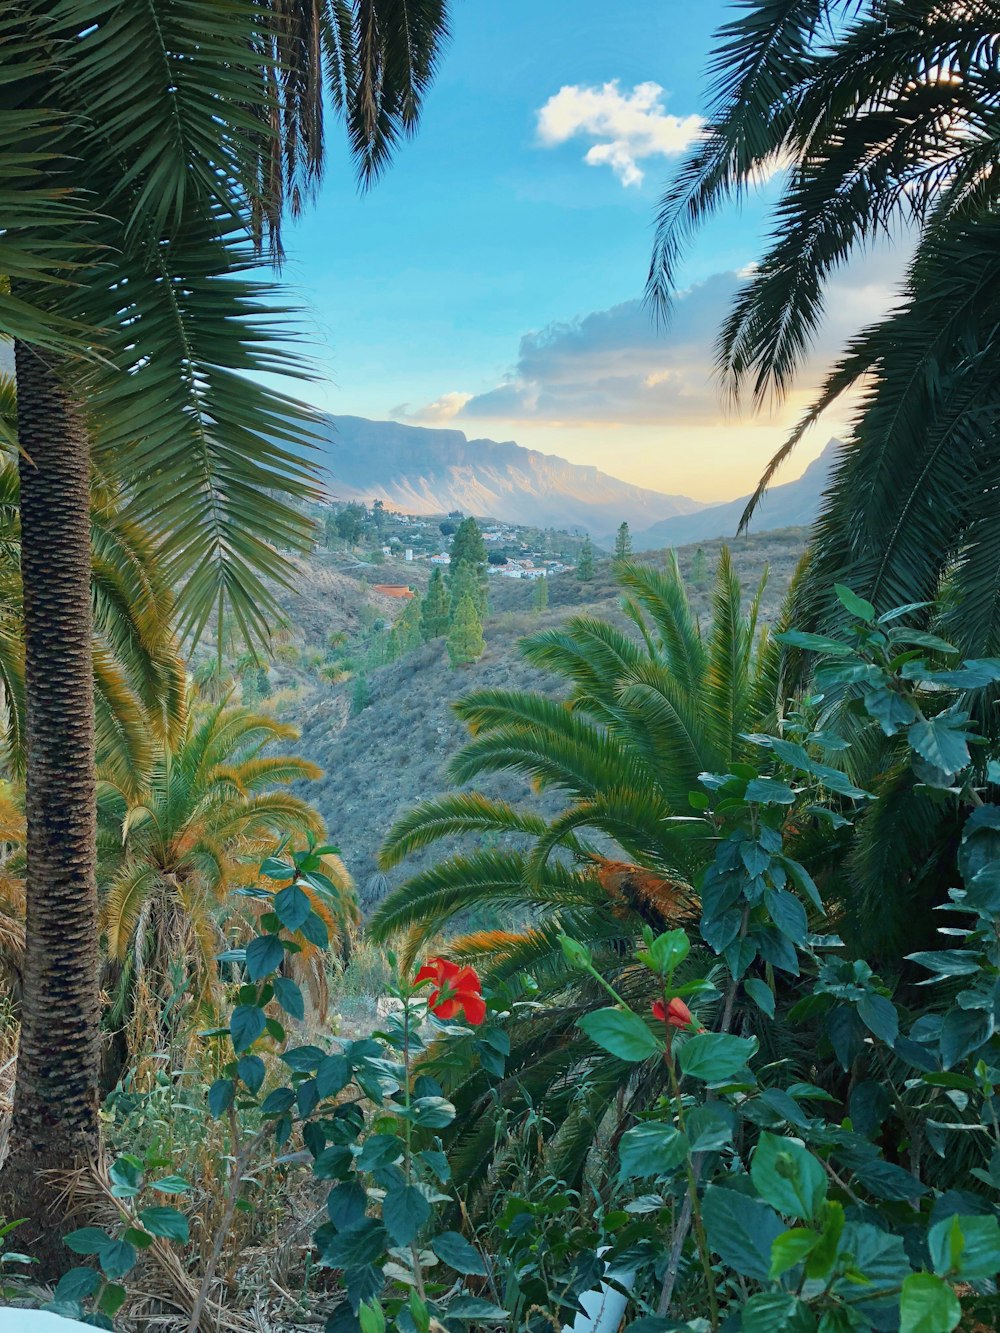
395	751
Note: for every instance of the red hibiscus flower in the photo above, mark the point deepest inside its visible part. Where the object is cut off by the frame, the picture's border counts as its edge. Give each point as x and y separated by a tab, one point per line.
676	1014
456	990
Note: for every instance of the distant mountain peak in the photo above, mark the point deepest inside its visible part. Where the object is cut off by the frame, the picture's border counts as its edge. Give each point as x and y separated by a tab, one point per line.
425	470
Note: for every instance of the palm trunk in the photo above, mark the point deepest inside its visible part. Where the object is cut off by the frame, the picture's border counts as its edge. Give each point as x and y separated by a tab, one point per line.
55	1124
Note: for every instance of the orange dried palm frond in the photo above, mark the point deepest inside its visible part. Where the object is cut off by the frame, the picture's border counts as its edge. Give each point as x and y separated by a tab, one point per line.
658	899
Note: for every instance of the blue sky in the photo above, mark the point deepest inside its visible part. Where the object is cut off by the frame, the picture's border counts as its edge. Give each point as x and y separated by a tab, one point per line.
491	280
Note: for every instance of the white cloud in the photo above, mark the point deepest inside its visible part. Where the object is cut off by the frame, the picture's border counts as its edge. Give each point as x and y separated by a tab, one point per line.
438	413
628	126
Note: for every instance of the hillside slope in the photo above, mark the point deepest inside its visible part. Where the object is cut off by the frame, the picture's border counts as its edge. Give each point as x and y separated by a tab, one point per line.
423	471
397	750
792	504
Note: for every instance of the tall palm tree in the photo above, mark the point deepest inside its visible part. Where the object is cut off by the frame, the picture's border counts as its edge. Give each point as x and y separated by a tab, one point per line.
138	676
132	143
885	115
217	805
644	714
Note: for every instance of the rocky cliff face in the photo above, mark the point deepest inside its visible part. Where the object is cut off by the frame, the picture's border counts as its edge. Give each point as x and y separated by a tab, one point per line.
420	470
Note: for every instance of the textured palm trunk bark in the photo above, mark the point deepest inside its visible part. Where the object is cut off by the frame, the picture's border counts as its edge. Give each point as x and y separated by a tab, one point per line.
55	1123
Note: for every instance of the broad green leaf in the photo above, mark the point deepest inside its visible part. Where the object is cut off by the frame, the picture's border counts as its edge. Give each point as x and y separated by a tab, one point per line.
788	1176
168	1223
77	1284
891	710
171	1185
380	1150
966	1247
824	1253
251	1070
787	913
715	1057
708	1127
357	1246
651	1149
264	955
293	907
87	1240
668	951
815	643
621	1033
963	1032
879	1016
371	1318
857	606
928	1305
346	1204
404	1211
431	1112
454	1250
117	1259
476	1309
288	995
761	994
741	1230
220	1096
791	1248
333	1075
943	745
768	791
246	1025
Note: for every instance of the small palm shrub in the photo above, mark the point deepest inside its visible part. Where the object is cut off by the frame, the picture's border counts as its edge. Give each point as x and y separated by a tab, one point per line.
179	866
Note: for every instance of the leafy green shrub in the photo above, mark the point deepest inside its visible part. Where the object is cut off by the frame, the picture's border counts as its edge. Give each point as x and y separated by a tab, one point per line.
795	1221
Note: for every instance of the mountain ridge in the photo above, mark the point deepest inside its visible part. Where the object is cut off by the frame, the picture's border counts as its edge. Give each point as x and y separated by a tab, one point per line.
788	505
428	470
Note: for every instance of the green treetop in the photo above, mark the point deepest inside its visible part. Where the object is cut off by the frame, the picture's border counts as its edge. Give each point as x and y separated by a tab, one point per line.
465	637
467	580
407	632
435	610
623	543
585	565
699	569
467	572
468	544
540	596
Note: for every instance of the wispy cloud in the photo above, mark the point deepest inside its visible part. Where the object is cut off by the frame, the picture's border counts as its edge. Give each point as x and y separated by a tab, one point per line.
438	413
627	126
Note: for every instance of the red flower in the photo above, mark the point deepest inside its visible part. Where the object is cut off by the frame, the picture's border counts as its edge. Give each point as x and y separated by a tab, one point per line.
676	1014
456	990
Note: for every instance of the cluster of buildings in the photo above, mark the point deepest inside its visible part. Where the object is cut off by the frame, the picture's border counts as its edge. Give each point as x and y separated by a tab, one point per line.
538	568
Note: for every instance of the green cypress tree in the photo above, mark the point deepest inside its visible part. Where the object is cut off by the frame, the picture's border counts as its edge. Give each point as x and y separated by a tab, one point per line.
435	611
467	571
699	569
468	580
407	632
468	544
359	694
623	543
465	637
585	564
540	595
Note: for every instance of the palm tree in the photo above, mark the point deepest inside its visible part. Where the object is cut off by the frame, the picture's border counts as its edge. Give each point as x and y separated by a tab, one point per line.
173	860
137	150
884	113
644	715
